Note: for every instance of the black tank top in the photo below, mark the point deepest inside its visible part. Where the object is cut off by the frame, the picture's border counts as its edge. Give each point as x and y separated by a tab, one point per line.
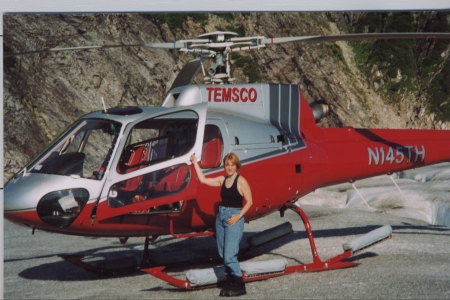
231	196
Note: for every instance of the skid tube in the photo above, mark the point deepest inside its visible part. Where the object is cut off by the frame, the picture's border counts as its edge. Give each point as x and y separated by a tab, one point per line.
316	266
128	264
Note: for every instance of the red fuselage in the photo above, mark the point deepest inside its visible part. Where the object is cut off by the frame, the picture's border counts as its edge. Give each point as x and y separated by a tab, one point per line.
328	156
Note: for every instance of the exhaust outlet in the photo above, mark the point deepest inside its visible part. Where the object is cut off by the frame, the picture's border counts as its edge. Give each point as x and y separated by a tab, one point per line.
320	109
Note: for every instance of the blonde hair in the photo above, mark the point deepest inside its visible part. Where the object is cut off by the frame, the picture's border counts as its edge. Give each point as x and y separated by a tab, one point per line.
234	159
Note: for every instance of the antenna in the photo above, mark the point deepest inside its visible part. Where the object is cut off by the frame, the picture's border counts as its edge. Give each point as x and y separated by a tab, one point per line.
104	106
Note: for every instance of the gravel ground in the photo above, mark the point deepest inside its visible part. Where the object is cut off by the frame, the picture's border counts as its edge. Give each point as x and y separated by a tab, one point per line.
413	264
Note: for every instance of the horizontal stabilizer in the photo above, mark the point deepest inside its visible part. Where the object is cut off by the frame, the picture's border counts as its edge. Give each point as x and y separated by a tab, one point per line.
368	239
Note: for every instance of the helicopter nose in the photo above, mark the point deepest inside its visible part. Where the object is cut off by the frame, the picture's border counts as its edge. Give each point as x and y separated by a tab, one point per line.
19	204
40	200
18	196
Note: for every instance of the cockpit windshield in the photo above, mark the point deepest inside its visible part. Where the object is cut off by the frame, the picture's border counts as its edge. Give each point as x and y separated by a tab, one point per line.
84	150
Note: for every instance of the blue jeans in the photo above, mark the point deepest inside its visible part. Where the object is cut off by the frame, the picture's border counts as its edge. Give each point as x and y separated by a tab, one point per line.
228	239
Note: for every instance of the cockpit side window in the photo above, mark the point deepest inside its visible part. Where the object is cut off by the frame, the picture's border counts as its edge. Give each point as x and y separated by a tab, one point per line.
212	148
157	140
150	142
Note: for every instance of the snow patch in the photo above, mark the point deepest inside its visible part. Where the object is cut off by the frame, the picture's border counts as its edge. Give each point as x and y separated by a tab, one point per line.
441	214
424	194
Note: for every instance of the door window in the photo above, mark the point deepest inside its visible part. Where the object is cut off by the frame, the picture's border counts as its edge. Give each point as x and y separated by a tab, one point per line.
159	139
148	143
152	185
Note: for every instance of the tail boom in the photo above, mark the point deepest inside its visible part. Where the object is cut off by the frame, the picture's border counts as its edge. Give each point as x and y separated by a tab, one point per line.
352	154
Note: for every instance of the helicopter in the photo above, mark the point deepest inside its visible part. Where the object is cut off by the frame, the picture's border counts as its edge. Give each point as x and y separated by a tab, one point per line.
125	171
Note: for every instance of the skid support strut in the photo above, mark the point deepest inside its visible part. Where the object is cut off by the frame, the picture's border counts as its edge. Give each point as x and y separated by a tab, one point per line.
144	261
317	264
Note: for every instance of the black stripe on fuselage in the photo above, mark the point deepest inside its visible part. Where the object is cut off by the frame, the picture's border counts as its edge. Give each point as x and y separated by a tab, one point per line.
274	104
295	110
285	107
284	101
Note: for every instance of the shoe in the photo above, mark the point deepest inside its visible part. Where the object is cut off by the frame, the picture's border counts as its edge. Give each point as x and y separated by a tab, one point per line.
238	287
228	285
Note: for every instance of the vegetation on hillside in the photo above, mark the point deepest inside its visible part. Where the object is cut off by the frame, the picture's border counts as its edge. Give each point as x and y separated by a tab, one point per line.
249	67
406	66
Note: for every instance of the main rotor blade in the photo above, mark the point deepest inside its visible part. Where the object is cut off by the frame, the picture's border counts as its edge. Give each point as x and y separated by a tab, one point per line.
174	45
356	36
205	44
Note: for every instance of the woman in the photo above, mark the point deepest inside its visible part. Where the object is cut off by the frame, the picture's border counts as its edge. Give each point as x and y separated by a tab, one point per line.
230	220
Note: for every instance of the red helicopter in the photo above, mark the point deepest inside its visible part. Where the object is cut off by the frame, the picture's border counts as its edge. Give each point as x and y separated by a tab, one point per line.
125	171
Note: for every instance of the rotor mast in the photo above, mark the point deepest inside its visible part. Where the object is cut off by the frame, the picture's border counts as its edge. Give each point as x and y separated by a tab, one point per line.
217	46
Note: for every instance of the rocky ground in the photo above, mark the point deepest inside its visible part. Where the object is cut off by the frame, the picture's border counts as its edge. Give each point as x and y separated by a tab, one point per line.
411	265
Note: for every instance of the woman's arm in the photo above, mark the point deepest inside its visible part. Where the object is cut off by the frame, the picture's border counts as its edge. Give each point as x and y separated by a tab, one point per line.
217	181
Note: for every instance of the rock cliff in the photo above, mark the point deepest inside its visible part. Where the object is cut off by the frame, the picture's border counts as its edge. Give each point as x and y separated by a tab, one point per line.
44	93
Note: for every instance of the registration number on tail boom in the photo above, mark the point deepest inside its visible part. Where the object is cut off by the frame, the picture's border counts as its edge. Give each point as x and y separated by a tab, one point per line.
381	155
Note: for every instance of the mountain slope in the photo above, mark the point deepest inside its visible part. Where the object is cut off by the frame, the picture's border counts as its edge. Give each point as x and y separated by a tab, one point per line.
44	93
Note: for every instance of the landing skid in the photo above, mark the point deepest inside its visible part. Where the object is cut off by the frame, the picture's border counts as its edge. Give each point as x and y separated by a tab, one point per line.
129	264
155	268
108	267
317	265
